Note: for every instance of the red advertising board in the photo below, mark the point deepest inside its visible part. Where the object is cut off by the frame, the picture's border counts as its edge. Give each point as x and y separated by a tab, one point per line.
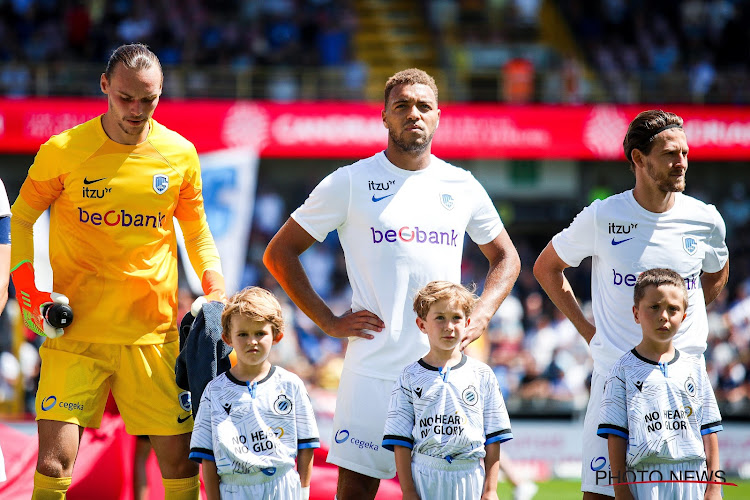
352	130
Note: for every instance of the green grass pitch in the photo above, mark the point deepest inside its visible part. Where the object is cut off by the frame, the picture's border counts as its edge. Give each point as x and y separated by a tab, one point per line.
559	489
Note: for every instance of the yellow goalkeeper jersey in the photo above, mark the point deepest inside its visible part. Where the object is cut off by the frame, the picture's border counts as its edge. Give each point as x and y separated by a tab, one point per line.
112	245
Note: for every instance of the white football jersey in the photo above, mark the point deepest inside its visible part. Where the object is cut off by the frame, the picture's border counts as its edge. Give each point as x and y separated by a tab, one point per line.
662	409
624	240
399	230
249	428
449	414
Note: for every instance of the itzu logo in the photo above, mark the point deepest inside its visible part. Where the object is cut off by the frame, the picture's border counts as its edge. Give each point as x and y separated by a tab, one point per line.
185	400
470	396
689	244
282	405
48	403
161	183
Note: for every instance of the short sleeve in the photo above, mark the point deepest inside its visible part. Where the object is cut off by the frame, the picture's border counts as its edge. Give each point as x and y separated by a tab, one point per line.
613	414
496	420
717	252
577	241
201	441
485	223
710	415
399	423
307	429
327	206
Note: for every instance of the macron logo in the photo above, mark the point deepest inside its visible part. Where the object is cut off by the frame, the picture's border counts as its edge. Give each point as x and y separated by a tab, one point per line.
381	198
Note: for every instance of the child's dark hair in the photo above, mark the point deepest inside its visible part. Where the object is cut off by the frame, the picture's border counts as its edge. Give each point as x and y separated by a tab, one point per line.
436	291
256	303
411	76
657	277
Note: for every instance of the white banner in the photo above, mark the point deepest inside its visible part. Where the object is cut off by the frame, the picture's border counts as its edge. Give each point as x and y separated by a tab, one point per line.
229	179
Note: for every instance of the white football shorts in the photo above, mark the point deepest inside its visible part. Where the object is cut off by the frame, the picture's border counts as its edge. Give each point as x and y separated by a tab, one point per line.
595	456
357	442
437	479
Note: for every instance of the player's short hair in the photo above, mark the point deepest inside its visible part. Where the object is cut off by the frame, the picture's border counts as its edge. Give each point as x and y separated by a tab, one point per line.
643	129
135	56
436	291
658	276
411	76
255	303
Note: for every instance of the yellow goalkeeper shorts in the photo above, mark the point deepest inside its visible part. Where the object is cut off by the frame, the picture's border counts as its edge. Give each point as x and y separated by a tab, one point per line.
76	378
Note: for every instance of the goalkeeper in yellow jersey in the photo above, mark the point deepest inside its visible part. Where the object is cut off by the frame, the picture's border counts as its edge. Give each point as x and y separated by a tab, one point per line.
113	185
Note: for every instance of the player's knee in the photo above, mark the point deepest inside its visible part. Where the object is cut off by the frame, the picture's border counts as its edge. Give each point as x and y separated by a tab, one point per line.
55	465
178	467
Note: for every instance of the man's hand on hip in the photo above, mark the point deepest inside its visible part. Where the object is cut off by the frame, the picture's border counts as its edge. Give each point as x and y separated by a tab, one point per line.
355	324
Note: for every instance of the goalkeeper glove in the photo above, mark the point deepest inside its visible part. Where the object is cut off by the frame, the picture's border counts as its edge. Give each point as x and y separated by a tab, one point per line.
33	302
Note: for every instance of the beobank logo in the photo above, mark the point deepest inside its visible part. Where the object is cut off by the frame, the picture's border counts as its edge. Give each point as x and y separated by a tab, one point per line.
407	234
121	218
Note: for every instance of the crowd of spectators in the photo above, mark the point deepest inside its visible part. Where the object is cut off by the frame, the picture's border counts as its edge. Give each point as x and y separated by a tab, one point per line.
666	51
275	35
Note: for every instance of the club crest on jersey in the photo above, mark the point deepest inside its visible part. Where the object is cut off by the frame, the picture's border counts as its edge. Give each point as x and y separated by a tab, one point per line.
689	244
690	386
185	401
282	405
470	396
447	201
161	183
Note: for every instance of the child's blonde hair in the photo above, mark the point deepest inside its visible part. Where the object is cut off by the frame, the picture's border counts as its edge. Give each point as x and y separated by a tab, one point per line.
436	291
258	304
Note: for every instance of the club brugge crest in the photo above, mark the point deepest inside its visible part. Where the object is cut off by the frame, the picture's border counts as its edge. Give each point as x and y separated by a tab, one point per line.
690	386
161	183
690	244
447	201
282	405
470	396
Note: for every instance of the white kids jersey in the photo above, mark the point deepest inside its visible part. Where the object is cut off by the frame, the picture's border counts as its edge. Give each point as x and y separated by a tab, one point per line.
249	428
662	409
624	239
449	414
399	230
